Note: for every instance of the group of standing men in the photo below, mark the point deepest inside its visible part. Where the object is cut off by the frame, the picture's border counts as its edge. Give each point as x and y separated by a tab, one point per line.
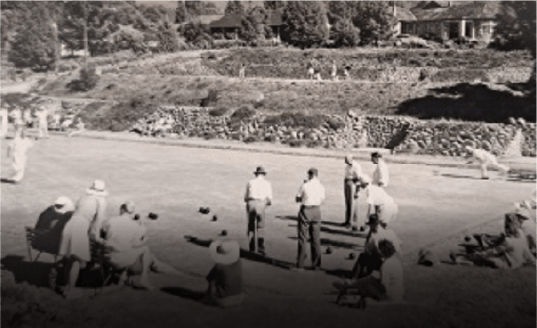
310	196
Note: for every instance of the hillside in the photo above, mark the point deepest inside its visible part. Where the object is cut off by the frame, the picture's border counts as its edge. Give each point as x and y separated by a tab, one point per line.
220	4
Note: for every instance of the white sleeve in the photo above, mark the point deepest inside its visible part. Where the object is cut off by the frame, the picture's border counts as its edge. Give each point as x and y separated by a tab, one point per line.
269	191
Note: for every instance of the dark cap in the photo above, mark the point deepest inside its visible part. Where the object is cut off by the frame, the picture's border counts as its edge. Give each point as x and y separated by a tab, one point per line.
313	171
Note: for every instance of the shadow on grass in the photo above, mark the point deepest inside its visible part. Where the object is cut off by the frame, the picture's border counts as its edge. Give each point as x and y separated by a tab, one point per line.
470	102
460	176
184	293
334	243
9	181
245	254
33	273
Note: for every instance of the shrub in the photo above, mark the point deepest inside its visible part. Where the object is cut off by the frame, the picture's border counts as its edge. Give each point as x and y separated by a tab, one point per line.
250	139
88	80
244	113
335	124
218	111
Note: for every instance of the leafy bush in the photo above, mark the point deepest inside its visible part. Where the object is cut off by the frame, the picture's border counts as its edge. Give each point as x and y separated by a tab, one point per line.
218	111
119	117
244	113
88	80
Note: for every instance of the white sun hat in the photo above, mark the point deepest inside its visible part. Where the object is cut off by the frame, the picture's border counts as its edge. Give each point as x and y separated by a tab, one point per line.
225	251
98	188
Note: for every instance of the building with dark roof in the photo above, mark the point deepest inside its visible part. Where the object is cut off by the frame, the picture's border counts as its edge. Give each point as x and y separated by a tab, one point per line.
232	23
473	21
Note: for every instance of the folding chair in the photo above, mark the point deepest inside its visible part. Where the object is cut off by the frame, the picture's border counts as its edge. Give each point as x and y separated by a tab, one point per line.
43	242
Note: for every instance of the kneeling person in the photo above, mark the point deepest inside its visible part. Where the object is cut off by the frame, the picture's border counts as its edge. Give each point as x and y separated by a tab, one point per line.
125	236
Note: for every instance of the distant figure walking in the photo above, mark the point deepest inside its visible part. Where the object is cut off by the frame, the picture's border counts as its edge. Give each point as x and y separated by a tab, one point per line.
346	74
42	116
486	160
334	71
17	150
242	71
4	122
311	71
353	170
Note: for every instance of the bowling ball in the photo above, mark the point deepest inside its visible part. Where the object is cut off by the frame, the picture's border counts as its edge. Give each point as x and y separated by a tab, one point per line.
224	233
352	256
152	216
215	218
467	239
329	250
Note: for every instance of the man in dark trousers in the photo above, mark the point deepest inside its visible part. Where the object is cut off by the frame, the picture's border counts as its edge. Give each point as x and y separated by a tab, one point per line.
310	195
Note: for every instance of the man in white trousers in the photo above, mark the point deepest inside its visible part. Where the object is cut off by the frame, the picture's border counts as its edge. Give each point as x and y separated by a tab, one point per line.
486	160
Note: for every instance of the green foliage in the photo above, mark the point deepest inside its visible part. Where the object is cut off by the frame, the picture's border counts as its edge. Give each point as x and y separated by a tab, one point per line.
194	8
273	5
516	26
244	113
345	34
34	45
87	81
234	7
373	19
306	23
181	14
195	32
168	41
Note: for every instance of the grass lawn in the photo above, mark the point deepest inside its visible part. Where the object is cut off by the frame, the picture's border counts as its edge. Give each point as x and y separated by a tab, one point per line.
174	182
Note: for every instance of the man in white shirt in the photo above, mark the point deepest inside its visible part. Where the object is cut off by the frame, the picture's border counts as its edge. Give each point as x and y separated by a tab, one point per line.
16	114
381	176
17	150
258	196
379	202
485	160
350	188
310	195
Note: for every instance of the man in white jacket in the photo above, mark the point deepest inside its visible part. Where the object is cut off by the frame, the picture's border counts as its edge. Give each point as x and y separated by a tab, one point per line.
381	176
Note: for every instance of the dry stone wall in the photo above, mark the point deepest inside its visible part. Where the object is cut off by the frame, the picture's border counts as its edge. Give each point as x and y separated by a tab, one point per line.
400	133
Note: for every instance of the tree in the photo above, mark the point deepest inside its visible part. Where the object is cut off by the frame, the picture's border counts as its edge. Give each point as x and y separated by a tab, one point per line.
194	8
273	5
372	18
234	7
168	41
180	13
517	29
306	23
345	34
34	45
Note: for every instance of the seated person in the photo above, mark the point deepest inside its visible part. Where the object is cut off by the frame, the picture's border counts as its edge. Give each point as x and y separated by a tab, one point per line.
525	213
385	284
126	238
53	220
511	250
225	278
371	258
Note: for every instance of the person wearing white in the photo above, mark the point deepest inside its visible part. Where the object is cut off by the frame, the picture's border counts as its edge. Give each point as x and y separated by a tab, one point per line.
379	201
381	176
334	71
16	114
350	189
310	195
17	150
4	122
80	127
257	197
486	160
28	118
526	216
42	116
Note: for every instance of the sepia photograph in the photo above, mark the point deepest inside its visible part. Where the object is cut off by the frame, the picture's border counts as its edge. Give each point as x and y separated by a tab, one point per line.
268	164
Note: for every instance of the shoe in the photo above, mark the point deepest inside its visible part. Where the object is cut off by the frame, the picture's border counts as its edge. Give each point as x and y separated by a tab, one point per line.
362	229
354	228
453	258
485	178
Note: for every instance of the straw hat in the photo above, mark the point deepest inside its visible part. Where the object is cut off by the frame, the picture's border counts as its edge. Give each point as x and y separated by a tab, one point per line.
225	251
98	188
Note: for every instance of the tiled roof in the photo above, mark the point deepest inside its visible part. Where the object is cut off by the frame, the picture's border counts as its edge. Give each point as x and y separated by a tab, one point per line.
228	21
473	10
